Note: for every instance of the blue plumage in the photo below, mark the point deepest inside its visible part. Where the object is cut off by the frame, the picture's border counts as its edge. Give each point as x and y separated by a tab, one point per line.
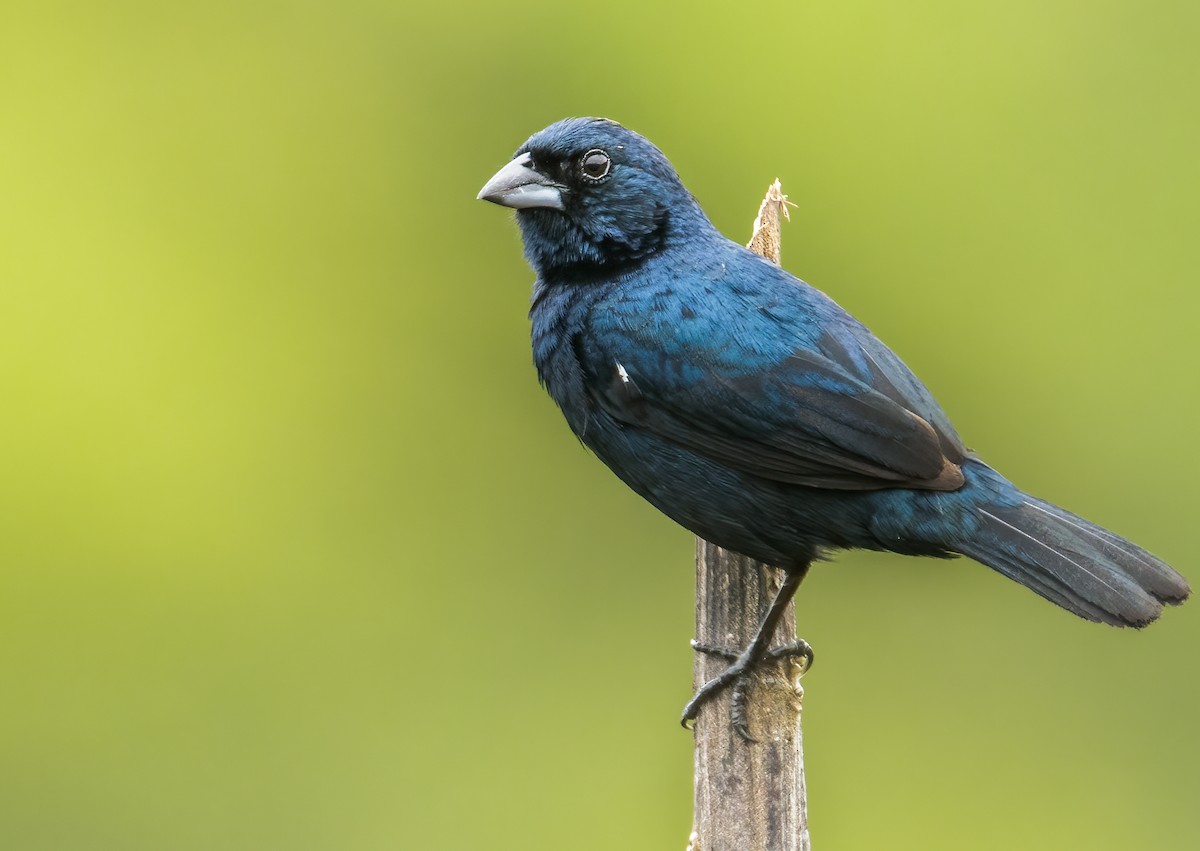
749	407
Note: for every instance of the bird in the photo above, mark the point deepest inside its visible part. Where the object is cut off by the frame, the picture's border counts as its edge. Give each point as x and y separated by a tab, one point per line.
750	408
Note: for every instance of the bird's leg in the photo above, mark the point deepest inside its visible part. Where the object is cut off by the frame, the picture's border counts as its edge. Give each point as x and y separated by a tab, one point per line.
738	674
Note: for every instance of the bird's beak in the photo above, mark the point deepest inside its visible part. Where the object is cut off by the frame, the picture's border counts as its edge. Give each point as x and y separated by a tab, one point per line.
520	187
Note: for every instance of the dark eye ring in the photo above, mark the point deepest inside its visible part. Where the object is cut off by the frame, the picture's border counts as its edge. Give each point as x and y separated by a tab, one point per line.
595	165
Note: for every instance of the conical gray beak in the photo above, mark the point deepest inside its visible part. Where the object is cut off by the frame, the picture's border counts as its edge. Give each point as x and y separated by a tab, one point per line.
520	187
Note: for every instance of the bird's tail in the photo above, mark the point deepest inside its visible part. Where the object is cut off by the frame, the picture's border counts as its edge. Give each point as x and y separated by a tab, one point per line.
1070	561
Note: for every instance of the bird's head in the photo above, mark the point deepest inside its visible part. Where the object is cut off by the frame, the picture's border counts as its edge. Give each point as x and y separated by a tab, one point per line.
591	195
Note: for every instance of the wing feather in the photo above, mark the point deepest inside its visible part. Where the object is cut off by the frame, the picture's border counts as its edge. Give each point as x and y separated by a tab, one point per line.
805	421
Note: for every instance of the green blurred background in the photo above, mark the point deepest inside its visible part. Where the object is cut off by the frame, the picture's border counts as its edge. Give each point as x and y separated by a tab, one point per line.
294	552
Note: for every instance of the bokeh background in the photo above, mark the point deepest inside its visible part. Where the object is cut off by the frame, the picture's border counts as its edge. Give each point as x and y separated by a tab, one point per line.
294	552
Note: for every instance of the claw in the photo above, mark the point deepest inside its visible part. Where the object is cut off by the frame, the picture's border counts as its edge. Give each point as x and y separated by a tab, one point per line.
799	647
738	677
737	709
710	690
713	650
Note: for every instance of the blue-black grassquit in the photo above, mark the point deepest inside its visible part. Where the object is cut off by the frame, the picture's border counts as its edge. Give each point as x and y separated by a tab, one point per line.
750	408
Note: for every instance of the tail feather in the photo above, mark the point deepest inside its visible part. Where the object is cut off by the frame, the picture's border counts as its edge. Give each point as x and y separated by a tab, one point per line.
1040	583
1153	574
1074	563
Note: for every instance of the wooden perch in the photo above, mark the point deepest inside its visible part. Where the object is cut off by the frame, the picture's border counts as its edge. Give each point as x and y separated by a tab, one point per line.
750	796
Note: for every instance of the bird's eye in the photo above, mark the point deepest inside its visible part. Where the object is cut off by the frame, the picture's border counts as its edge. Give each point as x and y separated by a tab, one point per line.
595	165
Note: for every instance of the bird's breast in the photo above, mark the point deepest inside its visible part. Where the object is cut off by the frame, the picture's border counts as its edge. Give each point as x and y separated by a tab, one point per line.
557	332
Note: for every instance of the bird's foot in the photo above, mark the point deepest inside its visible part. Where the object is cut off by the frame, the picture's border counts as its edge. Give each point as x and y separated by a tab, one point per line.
737	676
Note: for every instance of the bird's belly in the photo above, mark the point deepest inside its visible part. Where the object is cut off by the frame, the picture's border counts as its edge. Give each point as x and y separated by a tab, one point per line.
768	521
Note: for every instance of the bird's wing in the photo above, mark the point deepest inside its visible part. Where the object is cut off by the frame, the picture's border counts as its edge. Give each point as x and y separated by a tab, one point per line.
832	415
859	352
